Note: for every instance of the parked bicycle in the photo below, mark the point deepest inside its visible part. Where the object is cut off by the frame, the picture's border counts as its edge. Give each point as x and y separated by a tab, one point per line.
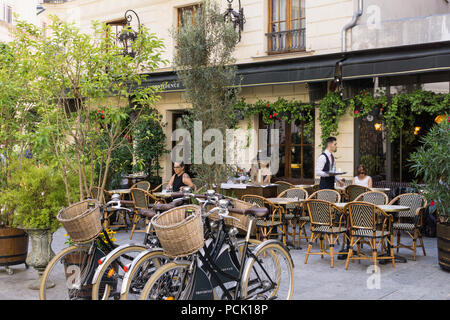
68	275
217	271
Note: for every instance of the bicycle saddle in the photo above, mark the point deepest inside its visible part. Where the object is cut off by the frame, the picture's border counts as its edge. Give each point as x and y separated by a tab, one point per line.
255	211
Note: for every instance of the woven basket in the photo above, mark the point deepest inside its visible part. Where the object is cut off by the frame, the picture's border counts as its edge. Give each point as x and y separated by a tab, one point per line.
244	220
179	235
82	223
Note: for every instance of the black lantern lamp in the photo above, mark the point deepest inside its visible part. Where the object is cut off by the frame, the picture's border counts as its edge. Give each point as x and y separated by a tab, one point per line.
237	18
128	35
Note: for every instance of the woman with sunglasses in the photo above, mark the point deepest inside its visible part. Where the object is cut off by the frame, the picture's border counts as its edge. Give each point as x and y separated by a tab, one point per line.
180	179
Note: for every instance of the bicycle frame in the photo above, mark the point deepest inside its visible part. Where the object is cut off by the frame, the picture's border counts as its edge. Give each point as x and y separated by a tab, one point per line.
215	274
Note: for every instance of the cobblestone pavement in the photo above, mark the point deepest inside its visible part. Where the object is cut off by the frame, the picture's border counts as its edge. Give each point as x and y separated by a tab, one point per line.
421	279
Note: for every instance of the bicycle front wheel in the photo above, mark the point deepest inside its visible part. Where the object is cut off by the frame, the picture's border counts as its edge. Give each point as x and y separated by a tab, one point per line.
65	276
167	282
269	274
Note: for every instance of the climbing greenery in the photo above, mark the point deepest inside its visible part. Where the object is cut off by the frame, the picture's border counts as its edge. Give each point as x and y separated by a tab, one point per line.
396	112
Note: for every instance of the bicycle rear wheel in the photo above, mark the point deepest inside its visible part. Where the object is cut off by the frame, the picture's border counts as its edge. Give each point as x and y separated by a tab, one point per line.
269	274
167	282
66	275
111	272
142	268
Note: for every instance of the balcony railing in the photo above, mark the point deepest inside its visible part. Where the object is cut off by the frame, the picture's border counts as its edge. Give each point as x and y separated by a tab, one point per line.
286	41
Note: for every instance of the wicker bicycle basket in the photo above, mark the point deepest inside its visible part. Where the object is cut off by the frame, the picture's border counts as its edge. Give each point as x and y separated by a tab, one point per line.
180	230
244	220
82	220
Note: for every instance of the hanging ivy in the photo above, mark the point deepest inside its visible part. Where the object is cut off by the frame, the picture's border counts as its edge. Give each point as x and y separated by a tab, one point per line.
397	112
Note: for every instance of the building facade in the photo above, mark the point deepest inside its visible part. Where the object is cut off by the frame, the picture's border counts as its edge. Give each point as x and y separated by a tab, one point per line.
292	49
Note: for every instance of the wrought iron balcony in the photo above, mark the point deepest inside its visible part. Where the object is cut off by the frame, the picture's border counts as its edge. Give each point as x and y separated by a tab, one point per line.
286	41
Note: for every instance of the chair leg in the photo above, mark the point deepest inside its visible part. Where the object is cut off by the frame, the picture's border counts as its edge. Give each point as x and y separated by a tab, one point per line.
331	250
350	254
309	247
373	244
392	251
415	244
135	221
398	240
421	244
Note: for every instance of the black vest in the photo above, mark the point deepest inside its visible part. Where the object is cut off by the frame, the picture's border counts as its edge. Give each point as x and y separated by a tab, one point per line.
326	182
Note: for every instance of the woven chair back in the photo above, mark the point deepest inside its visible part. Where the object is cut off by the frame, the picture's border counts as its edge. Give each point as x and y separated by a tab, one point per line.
319	212
282	186
354	190
374	197
362	215
298	193
144	185
139	198
411	200
327	195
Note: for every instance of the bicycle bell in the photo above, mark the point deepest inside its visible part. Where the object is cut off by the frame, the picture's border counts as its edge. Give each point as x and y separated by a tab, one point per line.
210	193
224	203
115	197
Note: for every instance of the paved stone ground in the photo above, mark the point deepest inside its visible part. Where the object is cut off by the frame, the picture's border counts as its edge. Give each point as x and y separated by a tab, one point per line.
414	280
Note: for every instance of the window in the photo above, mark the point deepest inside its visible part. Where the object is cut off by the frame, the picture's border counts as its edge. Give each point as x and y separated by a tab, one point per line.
6	13
286	26
116	28
187	12
296	149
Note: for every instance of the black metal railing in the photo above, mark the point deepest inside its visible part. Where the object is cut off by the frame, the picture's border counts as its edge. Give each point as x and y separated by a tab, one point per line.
56	1
286	41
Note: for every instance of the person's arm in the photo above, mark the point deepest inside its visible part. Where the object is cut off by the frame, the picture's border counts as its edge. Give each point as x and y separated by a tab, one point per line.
170	182
319	166
187	181
267	179
370	182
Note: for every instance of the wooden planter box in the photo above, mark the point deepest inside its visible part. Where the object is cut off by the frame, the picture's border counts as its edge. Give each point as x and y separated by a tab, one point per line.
13	246
443	244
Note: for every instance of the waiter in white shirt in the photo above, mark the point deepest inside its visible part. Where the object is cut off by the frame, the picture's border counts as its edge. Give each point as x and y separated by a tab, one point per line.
326	163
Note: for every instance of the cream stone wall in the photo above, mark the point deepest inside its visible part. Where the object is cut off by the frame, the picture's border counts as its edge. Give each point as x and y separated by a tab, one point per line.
324	22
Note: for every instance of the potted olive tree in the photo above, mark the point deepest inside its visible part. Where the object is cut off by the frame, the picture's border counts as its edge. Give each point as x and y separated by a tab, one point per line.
34	195
431	163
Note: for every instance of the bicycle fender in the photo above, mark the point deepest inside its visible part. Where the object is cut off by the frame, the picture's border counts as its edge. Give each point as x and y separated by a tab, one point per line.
133	265
109	255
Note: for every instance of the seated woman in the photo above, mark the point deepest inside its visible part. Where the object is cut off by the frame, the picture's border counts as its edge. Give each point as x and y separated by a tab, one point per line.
263	169
180	179
362	179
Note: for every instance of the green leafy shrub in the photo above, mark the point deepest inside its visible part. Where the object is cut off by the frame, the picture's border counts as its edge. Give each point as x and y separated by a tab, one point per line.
431	163
34	196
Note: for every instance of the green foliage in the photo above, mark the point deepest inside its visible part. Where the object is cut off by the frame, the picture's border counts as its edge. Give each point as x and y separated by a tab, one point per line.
34	196
81	86
204	63
331	109
150	142
431	163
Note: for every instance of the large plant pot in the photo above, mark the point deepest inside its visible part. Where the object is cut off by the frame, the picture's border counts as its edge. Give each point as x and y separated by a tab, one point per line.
13	247
41	253
443	244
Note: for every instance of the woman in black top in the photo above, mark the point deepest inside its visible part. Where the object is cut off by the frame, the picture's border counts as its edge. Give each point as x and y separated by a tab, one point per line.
180	179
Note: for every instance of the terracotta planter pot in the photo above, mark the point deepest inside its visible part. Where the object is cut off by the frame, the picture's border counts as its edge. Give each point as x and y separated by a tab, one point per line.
443	244
13	247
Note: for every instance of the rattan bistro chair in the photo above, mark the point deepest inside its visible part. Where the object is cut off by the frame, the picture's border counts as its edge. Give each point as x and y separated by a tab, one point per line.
410	221
283	186
295	215
368	223
324	226
352	191
329	195
143	202
266	227
143	185
374	197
